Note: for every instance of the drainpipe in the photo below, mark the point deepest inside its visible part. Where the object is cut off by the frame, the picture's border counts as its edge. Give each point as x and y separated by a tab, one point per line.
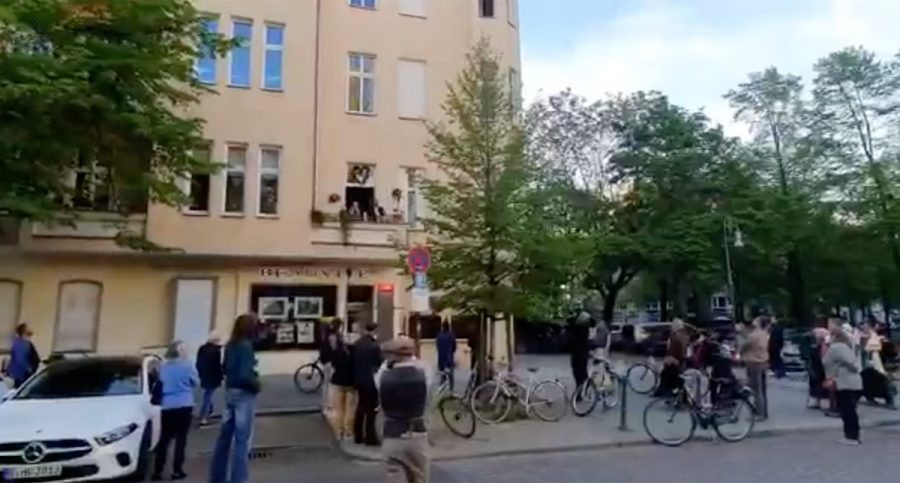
315	144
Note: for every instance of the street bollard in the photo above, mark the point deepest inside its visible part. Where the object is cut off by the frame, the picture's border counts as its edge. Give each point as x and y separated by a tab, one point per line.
623	392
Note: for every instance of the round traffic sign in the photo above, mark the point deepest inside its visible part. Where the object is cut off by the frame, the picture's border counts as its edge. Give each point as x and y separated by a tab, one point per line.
418	259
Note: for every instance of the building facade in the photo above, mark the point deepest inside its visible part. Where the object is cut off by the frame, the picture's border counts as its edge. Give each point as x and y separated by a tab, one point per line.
318	110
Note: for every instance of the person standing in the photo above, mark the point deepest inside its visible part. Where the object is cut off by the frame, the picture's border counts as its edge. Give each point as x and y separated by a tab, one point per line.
842	369
446	352
209	367
326	354
23	357
241	385
178	379
366	361
776	345
403	389
579	346
343	396
675	361
755	354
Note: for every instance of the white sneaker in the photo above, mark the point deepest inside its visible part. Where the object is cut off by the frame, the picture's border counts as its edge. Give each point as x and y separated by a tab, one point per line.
850	442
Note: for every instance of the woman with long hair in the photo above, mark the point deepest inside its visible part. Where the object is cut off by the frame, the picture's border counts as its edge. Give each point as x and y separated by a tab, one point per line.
242	386
842	369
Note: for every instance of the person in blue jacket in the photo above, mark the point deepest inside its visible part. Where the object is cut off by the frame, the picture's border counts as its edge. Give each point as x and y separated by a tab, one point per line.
179	379
446	352
23	357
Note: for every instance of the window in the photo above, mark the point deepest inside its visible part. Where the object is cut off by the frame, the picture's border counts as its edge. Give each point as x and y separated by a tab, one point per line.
206	62
91	186
240	55
413	200
10	306
411	89
77	316
198	189
361	95
269	161
272	61
362	3
486	8
234	179
415	8
359	193
515	89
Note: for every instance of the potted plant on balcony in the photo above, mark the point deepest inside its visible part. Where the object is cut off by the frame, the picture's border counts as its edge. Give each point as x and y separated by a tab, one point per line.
317	217
344	219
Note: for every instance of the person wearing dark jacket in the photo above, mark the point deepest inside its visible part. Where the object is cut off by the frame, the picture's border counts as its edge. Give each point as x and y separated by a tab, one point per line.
579	346
366	362
446	352
209	368
343	395
242	386
776	345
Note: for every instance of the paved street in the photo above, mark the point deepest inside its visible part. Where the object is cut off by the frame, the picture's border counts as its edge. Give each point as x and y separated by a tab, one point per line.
809	457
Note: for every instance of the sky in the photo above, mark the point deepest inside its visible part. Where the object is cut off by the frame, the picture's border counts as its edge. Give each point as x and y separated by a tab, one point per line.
692	50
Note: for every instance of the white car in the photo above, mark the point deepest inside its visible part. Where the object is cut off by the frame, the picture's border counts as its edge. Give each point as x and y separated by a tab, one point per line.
81	420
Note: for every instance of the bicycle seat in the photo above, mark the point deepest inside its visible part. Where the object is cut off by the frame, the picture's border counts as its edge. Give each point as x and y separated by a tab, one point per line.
532	369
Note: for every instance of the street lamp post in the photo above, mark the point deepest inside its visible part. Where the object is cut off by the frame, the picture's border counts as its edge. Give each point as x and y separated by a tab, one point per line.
728	225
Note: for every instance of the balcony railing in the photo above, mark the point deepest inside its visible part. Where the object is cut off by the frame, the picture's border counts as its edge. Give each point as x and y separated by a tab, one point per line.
91	225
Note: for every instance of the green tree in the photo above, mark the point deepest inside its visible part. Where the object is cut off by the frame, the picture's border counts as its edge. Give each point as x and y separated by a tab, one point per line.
479	198
102	88
857	103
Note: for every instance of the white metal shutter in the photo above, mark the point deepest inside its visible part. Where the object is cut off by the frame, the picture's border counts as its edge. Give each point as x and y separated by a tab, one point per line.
411	89
418	8
193	311
78	316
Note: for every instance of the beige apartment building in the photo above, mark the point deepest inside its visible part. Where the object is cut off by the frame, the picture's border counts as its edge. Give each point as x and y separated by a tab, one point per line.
320	110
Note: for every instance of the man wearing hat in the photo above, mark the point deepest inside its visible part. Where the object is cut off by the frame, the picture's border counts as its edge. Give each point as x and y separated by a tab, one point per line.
403	387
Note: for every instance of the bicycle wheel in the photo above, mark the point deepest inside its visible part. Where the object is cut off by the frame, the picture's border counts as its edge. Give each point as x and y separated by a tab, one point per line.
642	379
491	403
584	400
308	378
669	421
457	415
733	420
548	401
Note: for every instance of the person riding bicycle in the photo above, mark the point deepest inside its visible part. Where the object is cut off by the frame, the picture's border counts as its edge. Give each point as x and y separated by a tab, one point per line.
676	357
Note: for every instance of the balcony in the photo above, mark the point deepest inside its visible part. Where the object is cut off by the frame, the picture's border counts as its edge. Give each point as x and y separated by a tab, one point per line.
93	225
360	234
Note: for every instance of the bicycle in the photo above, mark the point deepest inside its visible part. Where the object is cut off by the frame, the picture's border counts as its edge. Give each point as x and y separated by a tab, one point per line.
681	404
456	410
309	377
602	384
493	400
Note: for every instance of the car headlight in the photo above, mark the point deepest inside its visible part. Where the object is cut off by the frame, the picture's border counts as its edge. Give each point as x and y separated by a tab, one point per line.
114	435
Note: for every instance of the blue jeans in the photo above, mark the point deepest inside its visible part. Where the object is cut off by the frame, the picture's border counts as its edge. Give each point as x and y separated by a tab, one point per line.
206	408
237	427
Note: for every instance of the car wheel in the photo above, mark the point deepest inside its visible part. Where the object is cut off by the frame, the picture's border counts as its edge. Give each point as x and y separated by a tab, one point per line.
143	463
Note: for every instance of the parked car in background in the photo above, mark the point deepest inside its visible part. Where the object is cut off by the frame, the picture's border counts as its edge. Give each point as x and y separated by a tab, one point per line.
651	338
81	420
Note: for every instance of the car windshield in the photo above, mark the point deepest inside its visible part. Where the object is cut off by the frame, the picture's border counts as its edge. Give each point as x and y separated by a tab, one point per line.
85	378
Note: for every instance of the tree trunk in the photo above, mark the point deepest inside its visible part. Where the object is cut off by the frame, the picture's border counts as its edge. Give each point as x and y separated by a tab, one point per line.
677	298
609	304
663	298
797	290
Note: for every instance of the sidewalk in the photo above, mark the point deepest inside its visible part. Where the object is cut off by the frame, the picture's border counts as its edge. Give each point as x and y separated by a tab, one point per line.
787	414
300	432
278	396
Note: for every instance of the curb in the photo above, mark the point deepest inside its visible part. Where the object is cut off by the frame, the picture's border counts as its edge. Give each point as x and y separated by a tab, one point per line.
283	411
361	456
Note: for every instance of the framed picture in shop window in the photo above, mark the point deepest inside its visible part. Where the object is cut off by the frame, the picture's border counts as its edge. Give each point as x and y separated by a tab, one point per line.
308	308
274	308
306	331
284	334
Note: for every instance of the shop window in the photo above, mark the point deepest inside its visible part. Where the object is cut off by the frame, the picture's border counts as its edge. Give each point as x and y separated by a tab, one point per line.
10	307
291	315
77	316
359	193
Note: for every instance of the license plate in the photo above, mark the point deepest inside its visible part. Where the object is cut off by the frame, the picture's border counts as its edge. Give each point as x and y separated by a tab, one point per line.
29	472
